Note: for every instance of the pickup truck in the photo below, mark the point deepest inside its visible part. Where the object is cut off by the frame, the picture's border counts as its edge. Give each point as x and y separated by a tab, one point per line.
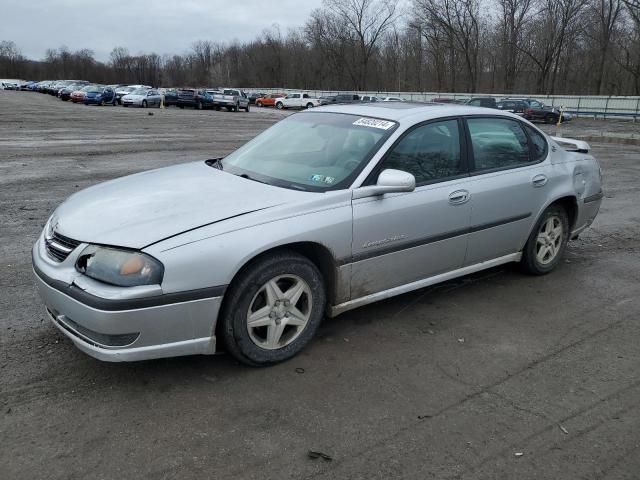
296	100
199	99
232	99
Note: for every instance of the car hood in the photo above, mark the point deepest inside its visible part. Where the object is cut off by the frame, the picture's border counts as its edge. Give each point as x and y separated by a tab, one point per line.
134	97
93	94
142	209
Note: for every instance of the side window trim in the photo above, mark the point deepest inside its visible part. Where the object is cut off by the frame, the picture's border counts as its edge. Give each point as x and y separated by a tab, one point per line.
472	163
464	153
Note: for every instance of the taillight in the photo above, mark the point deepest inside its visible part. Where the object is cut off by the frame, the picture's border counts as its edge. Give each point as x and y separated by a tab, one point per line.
529	111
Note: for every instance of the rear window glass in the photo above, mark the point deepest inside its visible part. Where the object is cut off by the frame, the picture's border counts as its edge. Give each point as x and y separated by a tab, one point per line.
538	144
498	143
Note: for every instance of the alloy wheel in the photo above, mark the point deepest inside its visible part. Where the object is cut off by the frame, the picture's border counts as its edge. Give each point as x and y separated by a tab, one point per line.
549	240
279	312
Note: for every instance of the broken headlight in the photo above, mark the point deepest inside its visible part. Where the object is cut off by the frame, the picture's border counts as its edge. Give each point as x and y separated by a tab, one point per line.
123	268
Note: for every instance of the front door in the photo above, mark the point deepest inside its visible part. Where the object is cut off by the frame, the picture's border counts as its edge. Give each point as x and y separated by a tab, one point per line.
404	237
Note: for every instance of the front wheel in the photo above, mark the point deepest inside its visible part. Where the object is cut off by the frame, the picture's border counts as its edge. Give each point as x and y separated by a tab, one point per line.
547	242
550	119
144	104
199	105
273	309
279	105
248	108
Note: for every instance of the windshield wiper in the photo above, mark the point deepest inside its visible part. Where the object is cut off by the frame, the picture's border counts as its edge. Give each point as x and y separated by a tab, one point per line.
215	163
244	175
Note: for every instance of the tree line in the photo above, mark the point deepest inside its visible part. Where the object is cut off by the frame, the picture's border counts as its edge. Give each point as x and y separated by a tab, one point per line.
589	47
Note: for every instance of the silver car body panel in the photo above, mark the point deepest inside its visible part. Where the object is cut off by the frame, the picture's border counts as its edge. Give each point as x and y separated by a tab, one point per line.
204	225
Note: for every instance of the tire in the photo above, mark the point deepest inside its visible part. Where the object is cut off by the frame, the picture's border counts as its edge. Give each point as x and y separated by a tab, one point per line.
199	106
144	104
258	104
248	108
543	252
248	293
279	105
236	107
550	119
101	103
309	105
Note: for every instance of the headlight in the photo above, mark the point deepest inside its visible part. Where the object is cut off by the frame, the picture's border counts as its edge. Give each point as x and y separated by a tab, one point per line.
119	267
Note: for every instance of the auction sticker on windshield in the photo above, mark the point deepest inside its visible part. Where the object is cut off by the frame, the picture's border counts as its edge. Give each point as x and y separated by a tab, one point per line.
374	123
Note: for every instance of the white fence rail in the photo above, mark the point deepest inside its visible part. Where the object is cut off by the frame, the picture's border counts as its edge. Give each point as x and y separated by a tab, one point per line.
583	105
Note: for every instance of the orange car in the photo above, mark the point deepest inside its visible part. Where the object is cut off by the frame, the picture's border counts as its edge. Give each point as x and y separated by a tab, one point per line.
269	100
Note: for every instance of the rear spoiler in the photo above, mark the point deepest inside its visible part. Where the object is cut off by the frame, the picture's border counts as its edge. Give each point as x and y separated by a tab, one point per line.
578	145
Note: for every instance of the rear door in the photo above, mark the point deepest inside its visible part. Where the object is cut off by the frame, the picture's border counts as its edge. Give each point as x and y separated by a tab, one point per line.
509	185
404	237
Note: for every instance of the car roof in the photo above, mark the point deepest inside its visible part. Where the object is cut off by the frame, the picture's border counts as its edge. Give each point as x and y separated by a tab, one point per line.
408	111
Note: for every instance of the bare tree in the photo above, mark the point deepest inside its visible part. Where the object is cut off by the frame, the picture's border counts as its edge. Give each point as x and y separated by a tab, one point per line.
362	23
515	15
460	21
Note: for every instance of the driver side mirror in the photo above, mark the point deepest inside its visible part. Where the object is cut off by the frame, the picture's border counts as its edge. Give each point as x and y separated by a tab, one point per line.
389	181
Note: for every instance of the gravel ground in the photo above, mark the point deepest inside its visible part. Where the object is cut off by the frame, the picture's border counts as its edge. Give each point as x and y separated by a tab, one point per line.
493	376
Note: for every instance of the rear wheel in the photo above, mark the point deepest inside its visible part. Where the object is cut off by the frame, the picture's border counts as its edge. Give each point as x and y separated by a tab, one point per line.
547	242
309	105
273	309
248	108
101	103
550	119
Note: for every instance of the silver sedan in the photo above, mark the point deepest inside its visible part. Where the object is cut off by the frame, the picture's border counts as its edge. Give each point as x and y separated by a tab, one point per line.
327	210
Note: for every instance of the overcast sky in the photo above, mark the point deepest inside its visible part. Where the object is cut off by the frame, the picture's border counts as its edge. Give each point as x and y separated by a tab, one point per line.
159	26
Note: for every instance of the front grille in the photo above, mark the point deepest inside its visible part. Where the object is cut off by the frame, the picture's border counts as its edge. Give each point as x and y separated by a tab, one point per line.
58	246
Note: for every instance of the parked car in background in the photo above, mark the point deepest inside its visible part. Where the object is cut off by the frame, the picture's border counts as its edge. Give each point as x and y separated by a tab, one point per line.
142	97
198	99
170	97
232	99
26	86
269	100
99	96
514	106
538	111
486	102
297	100
77	96
369	98
327	99
64	94
443	100
243	253
8	85
391	99
122	91
254	96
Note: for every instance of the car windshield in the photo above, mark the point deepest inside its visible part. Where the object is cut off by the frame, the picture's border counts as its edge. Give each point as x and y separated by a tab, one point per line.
311	151
94	90
140	91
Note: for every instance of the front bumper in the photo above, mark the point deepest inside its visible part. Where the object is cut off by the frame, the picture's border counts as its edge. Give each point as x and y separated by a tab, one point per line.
113	330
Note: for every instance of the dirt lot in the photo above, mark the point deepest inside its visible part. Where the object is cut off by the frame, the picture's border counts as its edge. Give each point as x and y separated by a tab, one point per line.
447	382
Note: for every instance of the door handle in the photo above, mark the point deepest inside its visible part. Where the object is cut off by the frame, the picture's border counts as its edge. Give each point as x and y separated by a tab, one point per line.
459	197
539	180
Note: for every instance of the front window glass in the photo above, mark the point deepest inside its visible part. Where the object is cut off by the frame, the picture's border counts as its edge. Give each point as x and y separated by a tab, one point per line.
310	151
429	152
538	144
498	143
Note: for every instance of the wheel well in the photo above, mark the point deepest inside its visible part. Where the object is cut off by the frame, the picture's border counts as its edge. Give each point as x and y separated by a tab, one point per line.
318	254
570	204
